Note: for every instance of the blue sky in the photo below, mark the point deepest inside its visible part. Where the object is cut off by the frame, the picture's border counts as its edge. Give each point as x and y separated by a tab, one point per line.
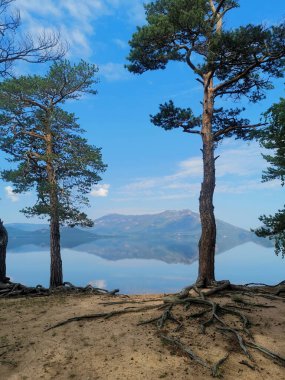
149	170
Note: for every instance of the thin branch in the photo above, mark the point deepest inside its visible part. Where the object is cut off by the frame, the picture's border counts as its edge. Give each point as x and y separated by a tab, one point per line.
235	128
217	16
221	3
190	131
213	6
191	64
199	80
244	73
33	103
33	134
71	91
34	155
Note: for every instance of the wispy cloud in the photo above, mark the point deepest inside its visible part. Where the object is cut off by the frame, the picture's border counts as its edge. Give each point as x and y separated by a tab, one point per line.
134	9
246	186
120	43
238	170
76	20
100	190
114	71
10	194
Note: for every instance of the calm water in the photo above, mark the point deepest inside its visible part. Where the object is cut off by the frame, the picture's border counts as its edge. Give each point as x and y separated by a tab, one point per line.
245	263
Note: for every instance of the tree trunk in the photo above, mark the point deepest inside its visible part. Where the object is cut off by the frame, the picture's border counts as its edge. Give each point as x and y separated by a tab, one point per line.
56	278
3	245
207	243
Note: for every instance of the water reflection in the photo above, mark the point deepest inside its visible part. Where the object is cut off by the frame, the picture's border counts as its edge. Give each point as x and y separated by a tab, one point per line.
246	263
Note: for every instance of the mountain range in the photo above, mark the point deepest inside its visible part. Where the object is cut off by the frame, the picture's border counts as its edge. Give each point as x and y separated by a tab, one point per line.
170	236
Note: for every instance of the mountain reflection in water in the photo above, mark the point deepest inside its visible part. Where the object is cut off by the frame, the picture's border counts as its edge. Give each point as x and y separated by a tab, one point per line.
168	272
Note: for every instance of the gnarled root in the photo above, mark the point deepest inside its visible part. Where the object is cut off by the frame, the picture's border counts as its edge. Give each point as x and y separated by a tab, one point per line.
11	289
213	315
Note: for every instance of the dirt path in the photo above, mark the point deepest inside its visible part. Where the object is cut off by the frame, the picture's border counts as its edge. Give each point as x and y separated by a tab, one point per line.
117	348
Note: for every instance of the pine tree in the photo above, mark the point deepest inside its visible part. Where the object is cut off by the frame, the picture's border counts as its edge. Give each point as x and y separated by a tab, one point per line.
232	63
46	143
15	47
273	138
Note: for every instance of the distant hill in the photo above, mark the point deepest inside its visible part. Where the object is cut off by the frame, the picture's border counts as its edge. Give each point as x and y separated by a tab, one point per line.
28	226
173	222
23	234
170	236
180	225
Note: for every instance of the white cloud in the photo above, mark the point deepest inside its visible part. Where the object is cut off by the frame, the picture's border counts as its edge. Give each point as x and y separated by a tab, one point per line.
76	20
134	9
100	190
46	7
244	160
240	161
11	195
120	43
245	186
113	71
238	170
136	12
192	167
85	9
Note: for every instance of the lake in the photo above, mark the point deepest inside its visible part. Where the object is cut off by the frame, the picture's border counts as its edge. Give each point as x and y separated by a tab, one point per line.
246	263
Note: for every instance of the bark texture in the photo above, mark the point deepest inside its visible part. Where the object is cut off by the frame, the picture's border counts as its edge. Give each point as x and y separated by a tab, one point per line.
3	246
207	243
56	277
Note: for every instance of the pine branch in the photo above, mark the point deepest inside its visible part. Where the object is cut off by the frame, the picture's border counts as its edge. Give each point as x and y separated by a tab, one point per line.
235	128
243	74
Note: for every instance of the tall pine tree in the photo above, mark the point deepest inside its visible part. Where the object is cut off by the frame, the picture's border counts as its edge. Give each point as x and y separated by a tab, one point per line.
47	145
14	47
232	63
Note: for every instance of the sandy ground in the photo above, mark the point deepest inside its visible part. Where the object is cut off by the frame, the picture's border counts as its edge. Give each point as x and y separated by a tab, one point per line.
117	348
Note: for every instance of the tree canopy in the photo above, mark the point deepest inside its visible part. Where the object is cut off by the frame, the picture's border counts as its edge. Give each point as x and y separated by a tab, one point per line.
273	138
46	143
228	63
30	112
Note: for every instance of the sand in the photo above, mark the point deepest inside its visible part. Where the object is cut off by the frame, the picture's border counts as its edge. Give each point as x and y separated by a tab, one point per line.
117	348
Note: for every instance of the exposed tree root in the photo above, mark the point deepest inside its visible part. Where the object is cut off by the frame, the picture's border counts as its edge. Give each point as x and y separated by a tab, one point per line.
215	368
223	319
186	350
244	362
16	290
8	362
11	289
102	315
267	352
129	302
